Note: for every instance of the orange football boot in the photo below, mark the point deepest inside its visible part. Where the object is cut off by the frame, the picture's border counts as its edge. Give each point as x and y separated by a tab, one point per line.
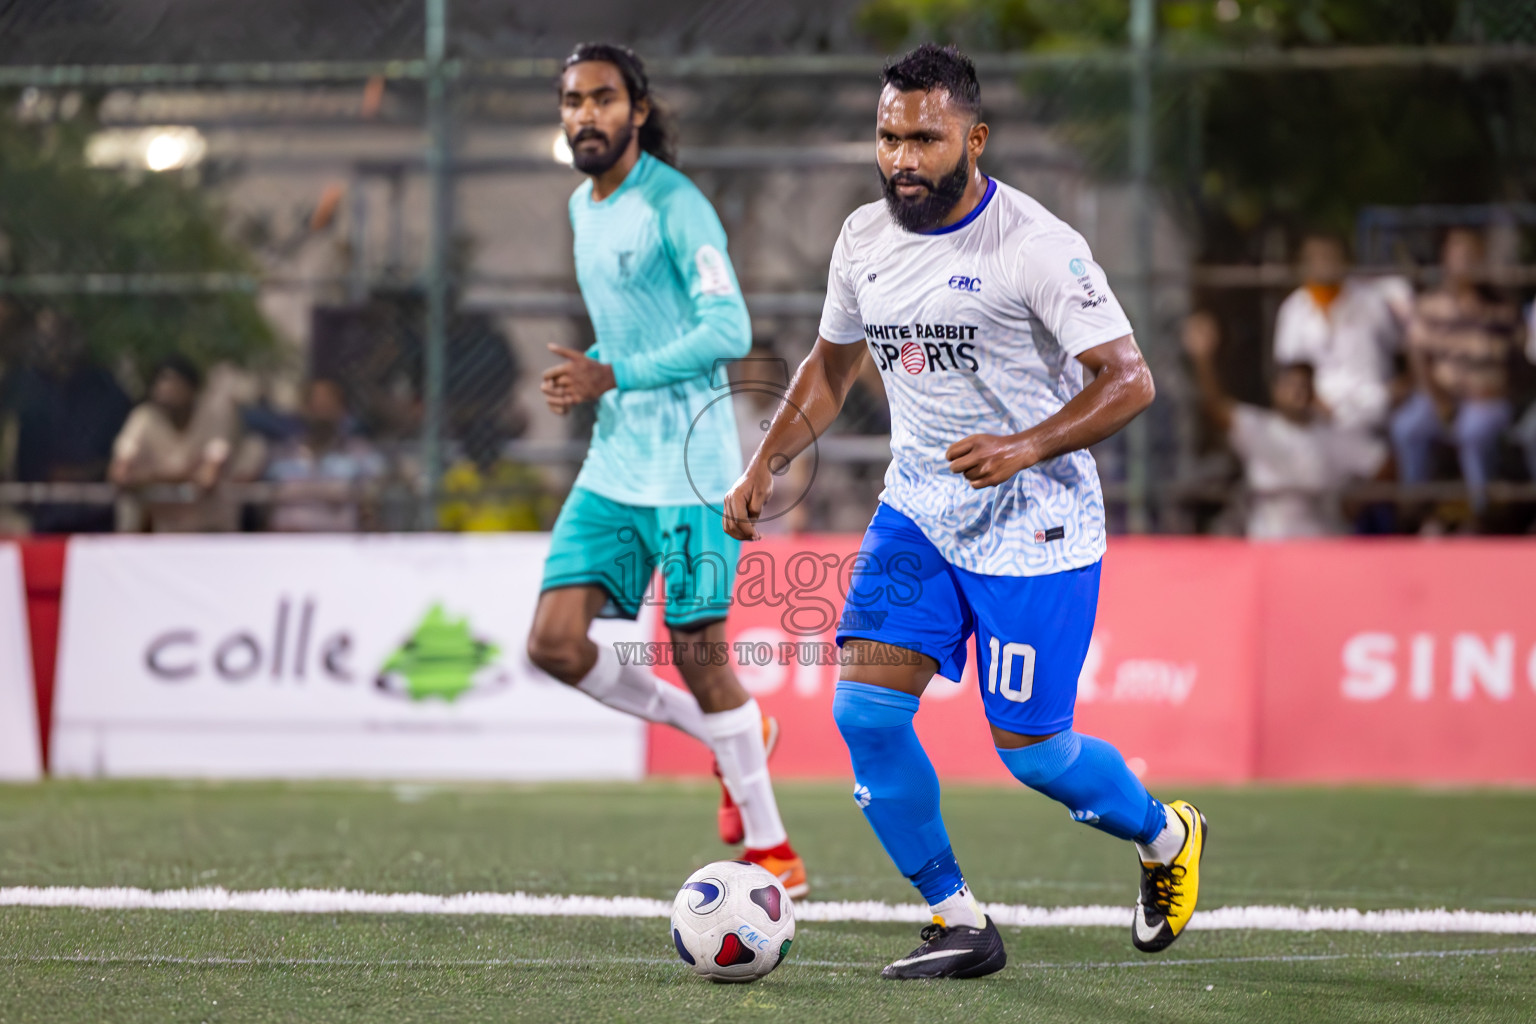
784	864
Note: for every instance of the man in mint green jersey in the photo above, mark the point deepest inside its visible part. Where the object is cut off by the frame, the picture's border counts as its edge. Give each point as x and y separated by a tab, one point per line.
666	308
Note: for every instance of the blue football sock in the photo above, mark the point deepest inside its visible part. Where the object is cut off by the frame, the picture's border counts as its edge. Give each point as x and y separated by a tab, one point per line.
895	784
1090	777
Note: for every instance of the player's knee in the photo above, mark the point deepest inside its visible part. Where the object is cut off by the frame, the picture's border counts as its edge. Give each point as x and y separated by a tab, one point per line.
556	654
1039	764
865	714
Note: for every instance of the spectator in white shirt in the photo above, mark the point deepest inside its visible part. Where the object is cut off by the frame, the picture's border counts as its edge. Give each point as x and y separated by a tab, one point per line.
184	433
1294	459
1348	328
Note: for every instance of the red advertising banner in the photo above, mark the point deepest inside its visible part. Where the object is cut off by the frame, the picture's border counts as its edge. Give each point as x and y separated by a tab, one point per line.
1170	677
1172	672
1211	660
1399	660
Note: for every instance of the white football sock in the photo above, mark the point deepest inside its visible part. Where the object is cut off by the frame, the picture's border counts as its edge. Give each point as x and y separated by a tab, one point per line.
1169	841
959	909
634	689
736	736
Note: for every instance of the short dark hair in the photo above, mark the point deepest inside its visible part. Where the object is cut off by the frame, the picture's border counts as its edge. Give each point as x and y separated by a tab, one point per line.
656	135
932	66
181	366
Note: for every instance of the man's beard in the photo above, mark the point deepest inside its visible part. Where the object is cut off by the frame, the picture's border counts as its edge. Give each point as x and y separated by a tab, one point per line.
599	162
928	210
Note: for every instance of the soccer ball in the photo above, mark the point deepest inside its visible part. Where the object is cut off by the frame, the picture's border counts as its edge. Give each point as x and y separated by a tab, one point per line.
732	921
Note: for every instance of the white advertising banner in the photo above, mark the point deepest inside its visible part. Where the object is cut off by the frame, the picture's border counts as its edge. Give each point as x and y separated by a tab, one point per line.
20	758
388	657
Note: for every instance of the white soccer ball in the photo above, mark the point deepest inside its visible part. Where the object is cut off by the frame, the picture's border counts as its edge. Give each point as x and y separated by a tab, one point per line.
732	921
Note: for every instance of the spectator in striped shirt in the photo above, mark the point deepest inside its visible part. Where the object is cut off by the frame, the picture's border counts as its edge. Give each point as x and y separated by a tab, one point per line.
1461	337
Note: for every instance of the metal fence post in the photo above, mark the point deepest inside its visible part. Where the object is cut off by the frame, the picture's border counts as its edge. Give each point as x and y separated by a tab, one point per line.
441	185
1138	434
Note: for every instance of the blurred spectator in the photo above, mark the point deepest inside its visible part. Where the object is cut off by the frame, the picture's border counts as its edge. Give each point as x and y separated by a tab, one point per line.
320	474
1525	430
1348	328
1460	341
488	493
67	411
1294	459
184	435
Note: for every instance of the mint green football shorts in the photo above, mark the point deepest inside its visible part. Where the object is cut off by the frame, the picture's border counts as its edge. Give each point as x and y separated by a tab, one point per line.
601	542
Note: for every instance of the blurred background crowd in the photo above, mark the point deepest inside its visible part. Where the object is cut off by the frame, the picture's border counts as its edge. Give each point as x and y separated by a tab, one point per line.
298	269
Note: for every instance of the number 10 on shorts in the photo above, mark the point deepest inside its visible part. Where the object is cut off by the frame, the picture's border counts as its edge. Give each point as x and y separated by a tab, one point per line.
1026	655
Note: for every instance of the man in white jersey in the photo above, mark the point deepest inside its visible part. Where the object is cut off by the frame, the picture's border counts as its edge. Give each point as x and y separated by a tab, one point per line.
981	310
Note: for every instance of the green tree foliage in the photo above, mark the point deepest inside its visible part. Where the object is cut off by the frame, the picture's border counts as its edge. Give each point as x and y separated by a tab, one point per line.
1241	151
58	215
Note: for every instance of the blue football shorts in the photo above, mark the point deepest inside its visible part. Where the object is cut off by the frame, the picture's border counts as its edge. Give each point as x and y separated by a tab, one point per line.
1032	632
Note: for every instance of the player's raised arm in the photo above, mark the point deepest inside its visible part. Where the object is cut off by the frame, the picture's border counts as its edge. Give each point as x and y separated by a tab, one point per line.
1202	338
815	397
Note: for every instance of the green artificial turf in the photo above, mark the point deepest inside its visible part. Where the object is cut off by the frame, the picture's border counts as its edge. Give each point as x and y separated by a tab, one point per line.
1366	848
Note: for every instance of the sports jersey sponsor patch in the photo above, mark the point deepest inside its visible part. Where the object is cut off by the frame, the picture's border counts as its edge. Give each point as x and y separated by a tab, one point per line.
1093	299
714	273
935	357
1054	533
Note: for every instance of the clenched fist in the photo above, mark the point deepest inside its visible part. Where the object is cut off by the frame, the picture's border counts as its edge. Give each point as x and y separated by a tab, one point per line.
987	460
578	379
745	501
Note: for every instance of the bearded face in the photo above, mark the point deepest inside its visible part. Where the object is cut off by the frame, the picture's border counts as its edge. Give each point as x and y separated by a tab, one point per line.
920	204
593	151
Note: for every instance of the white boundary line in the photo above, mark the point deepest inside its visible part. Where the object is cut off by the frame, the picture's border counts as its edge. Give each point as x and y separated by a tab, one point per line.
601	962
519	904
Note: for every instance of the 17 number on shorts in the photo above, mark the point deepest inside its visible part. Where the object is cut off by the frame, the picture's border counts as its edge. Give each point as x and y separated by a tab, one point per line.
1026	655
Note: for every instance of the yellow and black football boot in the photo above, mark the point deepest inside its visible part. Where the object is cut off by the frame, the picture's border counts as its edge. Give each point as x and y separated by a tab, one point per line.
1169	891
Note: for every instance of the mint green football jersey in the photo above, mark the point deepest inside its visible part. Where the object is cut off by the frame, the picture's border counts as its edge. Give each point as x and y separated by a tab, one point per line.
668	314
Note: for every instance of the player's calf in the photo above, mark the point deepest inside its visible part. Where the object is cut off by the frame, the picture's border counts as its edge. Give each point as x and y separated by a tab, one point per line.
1090	777
728	817
897	789
1092	780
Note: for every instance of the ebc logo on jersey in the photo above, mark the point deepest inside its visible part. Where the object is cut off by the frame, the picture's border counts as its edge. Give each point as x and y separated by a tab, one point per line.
961	283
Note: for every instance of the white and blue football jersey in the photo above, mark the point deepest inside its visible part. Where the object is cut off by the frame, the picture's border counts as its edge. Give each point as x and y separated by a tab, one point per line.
975	329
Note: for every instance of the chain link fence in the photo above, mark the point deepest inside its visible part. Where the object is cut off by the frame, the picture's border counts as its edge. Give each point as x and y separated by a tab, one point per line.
352	226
